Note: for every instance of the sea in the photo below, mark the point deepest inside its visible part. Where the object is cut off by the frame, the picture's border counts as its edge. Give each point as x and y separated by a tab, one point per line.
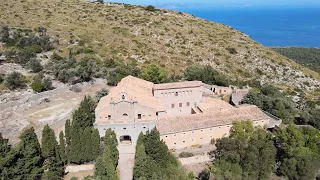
299	27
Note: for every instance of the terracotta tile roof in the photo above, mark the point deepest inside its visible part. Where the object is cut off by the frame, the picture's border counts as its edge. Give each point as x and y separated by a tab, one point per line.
211	119
137	89
177	85
211	104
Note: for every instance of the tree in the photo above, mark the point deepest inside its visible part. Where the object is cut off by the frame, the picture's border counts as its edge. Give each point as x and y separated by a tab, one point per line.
75	149
84	115
48	142
15	80
104	168
62	147
140	166
110	140
95	144
154	73
68	140
140	140
248	153
103	92
86	139
25	160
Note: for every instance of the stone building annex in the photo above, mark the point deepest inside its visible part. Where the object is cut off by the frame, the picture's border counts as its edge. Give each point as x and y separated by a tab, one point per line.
179	110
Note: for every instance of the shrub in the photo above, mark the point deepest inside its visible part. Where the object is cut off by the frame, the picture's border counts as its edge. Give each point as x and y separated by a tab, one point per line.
34	65
185	155
15	80
232	50
1	78
150	8
37	86
212	141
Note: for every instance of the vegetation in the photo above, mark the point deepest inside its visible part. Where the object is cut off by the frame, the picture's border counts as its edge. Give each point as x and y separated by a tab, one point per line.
270	99
309	57
15	80
205	74
105	167
185	155
154	73
154	161
252	153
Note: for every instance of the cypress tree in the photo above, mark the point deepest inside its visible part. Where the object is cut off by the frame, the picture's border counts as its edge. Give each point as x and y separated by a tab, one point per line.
110	139
62	147
68	139
157	150
140	165
140	140
48	142
25	160
75	154
104	168
95	144
86	139
84	115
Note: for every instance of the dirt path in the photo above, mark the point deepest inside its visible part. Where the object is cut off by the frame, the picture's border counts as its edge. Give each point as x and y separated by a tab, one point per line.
126	162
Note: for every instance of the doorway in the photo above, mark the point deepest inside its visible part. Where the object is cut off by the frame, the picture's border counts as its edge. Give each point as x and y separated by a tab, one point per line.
125	140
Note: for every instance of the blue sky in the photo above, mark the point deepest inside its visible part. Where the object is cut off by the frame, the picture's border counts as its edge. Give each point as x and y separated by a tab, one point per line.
224	3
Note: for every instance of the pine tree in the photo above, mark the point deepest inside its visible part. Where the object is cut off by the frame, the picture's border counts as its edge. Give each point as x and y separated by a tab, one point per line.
110	139
62	147
104	168
95	144
68	139
48	142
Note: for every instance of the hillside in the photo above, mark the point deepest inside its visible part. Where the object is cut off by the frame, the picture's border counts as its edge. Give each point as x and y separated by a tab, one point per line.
133	34
309	57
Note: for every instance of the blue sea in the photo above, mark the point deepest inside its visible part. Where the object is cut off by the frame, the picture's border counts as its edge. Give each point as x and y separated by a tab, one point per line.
269	26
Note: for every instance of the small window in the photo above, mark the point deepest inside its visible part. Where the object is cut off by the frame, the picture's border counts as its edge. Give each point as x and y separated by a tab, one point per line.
149	115
109	117
192	131
144	127
174	134
183	141
166	136
125	115
188	103
210	129
184	133
124	128
180	104
200	138
123	97
172	105
201	130
174	143
177	94
139	116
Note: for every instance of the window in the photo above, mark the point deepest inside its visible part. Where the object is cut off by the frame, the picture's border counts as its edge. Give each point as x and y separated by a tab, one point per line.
139	116
174	143
166	136
123	97
180	104
195	104
172	105
125	115
183	141
144	127
188	103
176	93
109	117
124	128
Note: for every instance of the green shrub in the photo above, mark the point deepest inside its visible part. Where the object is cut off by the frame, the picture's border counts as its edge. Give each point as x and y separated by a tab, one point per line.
34	65
15	80
185	155
37	86
150	8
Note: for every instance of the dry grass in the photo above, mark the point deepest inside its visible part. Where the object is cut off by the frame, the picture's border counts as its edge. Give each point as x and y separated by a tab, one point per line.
173	40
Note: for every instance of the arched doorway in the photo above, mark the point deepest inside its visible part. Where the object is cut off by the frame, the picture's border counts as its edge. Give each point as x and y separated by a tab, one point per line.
125	140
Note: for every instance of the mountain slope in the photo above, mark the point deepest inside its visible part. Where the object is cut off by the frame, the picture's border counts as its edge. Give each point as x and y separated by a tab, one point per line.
172	39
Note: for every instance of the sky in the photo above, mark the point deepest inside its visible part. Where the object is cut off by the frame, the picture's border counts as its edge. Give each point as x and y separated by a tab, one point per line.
224	3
